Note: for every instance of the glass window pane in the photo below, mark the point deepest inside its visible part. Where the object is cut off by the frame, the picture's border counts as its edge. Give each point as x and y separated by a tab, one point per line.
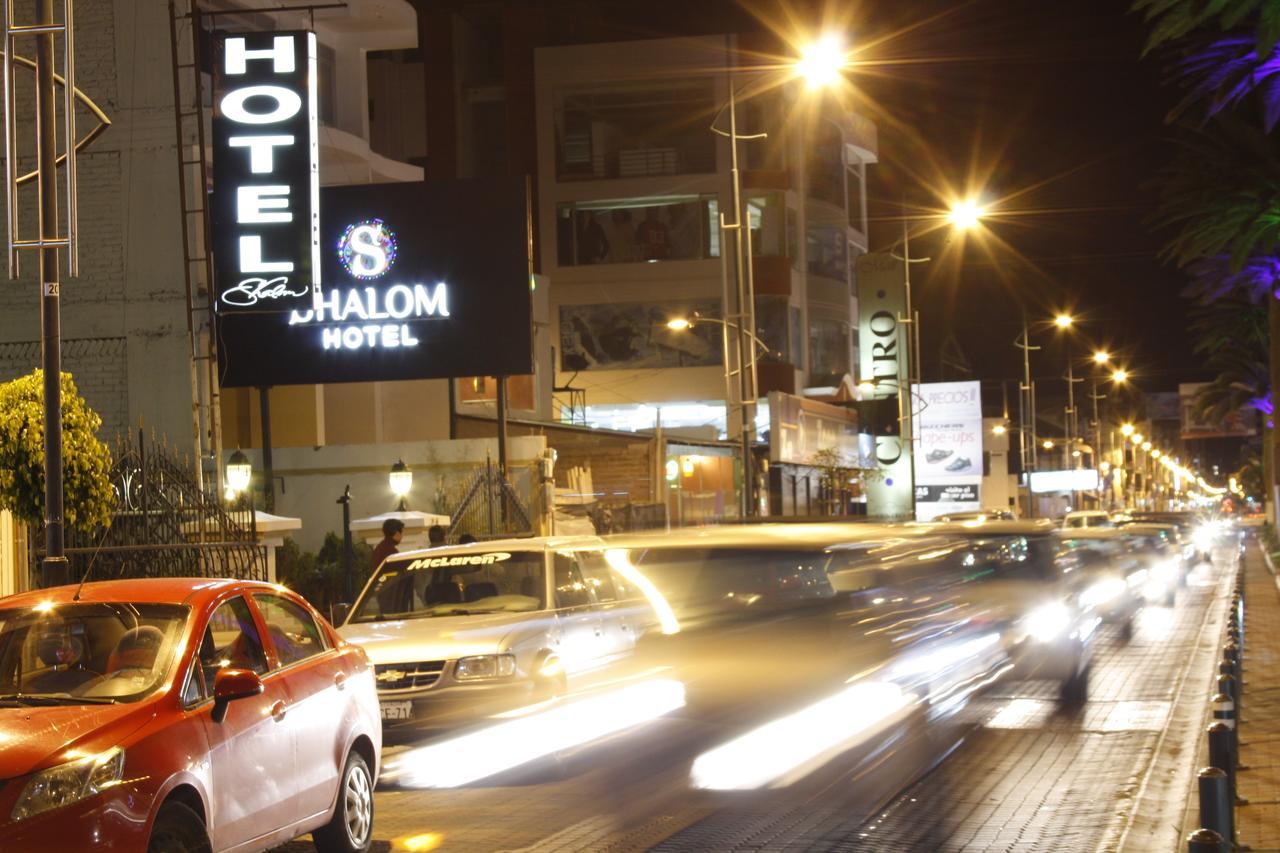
294	633
637	230
231	641
571	589
828	350
635	131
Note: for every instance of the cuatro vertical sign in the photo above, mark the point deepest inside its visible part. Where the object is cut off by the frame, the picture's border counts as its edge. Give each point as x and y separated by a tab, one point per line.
882	350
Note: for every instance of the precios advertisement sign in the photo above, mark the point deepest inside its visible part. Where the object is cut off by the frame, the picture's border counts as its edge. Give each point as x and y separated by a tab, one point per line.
420	280
948	458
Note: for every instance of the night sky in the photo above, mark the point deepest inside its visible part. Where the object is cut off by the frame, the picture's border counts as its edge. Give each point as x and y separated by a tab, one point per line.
1050	109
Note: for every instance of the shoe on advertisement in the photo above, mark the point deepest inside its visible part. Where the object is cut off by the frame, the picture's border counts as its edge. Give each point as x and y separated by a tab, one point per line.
960	464
936	455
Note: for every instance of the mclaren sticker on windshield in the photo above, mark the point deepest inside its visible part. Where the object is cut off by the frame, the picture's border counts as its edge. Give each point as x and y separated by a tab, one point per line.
461	560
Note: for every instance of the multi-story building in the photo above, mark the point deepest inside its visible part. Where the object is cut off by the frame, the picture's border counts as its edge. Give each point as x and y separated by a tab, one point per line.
632	181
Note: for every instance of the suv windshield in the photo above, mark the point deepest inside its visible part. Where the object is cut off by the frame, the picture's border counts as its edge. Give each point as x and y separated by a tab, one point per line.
77	654
455	585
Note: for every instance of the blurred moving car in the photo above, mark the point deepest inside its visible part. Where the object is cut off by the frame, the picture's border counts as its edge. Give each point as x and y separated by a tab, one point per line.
1112	573
460	632
763	616
1182	551
182	714
1087	518
1196	527
1015	575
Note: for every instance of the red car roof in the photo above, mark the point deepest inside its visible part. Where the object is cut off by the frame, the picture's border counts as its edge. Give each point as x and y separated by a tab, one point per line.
192	591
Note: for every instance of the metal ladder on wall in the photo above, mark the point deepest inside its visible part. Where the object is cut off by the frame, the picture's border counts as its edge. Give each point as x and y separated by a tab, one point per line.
185	38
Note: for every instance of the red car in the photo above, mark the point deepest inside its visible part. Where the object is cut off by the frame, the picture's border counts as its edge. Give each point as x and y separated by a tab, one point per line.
182	715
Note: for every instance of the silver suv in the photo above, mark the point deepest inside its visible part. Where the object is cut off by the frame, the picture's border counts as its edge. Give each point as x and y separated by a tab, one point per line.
459	632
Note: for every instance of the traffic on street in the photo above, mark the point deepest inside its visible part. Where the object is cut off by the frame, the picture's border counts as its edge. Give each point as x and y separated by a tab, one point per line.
739	687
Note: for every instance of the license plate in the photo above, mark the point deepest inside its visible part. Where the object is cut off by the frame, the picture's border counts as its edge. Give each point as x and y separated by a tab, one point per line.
397	710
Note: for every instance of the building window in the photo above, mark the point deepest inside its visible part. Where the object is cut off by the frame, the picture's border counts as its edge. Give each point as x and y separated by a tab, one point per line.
635	132
771	327
668	228
635	335
796	330
767	216
827	251
826	166
828	350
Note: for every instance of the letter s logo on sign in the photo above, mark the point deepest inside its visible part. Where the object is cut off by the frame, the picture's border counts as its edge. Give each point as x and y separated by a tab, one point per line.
367	249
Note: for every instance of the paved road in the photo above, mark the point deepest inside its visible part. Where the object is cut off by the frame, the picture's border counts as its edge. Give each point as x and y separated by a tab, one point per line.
1012	772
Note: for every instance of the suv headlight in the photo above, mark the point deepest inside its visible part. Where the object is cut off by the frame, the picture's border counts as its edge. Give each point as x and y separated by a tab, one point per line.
485	666
1048	622
69	783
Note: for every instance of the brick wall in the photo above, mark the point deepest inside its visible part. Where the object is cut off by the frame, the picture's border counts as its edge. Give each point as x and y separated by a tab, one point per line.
99	367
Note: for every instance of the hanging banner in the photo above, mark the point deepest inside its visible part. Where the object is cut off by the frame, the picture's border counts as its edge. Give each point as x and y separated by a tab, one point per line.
882	350
265	209
948	462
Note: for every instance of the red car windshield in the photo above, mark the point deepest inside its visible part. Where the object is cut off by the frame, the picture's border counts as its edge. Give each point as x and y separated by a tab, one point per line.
86	653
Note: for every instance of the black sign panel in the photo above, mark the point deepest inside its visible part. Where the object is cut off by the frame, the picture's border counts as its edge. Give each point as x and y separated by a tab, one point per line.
265	210
421	281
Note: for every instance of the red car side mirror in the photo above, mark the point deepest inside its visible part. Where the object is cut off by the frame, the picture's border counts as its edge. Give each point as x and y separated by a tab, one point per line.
232	684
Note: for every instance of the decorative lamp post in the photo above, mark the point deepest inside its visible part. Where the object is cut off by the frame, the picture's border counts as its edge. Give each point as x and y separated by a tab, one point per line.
239	474
401	481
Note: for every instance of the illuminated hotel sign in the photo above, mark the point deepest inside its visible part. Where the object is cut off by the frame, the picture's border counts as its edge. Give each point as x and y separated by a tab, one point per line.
421	280
266	207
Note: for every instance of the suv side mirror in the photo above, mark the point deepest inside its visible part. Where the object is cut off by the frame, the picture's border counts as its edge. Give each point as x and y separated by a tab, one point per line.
340	612
230	685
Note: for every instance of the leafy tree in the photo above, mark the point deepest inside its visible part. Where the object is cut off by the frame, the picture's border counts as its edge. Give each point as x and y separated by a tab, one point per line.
88	496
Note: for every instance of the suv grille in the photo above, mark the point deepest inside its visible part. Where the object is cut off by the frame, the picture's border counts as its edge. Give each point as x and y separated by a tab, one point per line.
408	676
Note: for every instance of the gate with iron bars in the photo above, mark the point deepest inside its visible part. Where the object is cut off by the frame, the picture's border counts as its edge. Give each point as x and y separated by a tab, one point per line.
163	525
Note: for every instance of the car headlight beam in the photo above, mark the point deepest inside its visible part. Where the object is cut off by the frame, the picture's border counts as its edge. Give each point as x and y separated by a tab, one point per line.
1048	622
69	783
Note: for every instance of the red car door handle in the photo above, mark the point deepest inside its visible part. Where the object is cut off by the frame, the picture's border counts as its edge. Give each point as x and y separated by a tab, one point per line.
277	710
340	680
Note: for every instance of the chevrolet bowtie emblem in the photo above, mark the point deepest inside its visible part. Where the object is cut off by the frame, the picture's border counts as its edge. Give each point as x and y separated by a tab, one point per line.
392	675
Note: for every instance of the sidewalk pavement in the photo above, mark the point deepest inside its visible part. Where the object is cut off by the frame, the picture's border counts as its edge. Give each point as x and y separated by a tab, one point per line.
1258	822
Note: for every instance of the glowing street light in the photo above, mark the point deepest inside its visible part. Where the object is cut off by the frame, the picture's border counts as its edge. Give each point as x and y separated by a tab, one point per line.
1101	357
1063	321
966	214
1047	444
1120	377
239	473
820	63
1136	438
401	481
999	429
1126	429
679	324
1146	445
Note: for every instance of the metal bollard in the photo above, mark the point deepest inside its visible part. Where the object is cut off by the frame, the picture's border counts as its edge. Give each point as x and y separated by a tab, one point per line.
1205	841
1231	651
1220	755
1224	711
1232	689
1217	813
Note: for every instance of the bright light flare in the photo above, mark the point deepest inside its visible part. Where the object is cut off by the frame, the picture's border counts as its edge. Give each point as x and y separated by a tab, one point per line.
678	324
966	215
999	429
1063	321
788	748
1101	357
620	561
820	63
1120	377
1126	429
510	744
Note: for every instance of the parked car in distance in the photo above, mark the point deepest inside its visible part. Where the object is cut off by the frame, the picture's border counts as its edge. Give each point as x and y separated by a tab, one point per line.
457	633
182	714
1087	518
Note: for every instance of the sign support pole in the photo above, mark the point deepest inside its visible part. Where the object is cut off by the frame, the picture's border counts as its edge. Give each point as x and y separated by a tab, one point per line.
502	442
54	570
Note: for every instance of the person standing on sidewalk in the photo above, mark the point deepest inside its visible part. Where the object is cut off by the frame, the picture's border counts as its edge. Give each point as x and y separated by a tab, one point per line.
392	533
